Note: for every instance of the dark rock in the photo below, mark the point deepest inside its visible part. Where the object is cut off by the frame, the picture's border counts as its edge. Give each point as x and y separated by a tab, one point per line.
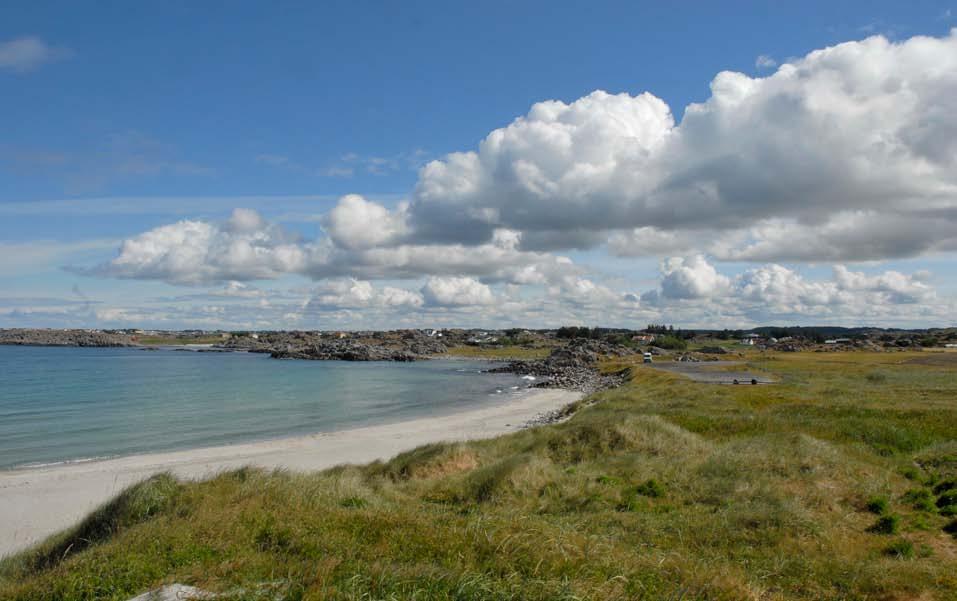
345	351
572	367
43	337
403	345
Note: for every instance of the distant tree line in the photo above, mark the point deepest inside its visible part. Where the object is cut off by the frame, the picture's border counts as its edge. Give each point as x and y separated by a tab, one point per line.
579	332
662	330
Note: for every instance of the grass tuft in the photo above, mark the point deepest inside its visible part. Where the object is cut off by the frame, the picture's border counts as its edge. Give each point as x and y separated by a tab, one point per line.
877	505
352	503
951	527
650	488
887	524
947	498
900	549
920	499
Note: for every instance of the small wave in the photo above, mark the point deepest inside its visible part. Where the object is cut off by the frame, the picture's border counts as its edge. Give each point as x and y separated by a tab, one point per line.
39	465
529	378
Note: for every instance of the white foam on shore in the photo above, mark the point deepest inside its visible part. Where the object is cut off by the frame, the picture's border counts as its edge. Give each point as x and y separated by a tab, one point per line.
30	466
39	501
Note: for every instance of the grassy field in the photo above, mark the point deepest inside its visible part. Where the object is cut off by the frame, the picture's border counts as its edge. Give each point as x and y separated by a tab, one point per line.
503	352
837	483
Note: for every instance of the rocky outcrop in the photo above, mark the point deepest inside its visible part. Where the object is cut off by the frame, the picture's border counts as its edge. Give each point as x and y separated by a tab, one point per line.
346	351
573	367
42	337
407	345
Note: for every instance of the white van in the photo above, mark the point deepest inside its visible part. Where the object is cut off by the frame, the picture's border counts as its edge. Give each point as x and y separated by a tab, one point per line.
647	358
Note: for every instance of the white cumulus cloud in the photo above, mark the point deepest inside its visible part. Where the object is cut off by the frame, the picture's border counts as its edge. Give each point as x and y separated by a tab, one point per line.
190	252
867	126
356	294
846	154
456	291
691	277
356	223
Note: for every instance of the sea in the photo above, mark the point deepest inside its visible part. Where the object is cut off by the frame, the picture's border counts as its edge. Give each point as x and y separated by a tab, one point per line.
67	404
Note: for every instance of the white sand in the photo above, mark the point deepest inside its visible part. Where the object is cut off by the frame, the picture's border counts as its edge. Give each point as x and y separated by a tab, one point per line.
35	503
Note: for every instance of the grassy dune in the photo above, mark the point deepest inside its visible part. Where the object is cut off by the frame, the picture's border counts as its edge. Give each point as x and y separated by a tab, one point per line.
835	484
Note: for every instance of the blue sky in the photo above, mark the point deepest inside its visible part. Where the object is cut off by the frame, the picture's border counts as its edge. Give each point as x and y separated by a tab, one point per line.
118	119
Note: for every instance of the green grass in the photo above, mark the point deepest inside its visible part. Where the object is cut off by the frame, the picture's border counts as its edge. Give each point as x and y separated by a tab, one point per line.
664	489
501	352
901	549
878	505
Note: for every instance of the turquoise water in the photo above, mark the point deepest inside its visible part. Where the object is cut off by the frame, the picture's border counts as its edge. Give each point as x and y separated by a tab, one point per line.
70	404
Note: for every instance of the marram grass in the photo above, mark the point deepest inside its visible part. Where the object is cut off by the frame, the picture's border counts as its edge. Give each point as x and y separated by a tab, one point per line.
664	489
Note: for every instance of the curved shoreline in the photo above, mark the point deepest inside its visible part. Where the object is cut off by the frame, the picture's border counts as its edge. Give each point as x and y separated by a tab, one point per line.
37	502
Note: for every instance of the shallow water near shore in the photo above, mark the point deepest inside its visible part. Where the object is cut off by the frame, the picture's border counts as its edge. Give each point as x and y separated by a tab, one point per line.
77	404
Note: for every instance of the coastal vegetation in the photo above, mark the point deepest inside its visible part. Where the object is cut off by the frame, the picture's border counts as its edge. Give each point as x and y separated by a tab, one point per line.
838	482
500	352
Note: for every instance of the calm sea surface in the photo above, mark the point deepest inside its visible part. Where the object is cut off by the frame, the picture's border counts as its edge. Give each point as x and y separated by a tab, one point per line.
69	404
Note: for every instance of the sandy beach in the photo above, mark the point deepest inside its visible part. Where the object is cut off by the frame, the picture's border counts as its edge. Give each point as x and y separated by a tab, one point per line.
35	503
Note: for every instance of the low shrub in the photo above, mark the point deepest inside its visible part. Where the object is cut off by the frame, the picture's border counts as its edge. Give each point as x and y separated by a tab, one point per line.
948	498
650	488
877	505
920	499
887	524
945	486
671	343
951	528
901	549
910	472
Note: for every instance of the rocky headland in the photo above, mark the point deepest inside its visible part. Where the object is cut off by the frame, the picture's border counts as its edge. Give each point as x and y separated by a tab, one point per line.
407	345
45	337
572	367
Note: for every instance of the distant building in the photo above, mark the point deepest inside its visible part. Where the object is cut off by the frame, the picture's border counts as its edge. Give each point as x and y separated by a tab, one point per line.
482	337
